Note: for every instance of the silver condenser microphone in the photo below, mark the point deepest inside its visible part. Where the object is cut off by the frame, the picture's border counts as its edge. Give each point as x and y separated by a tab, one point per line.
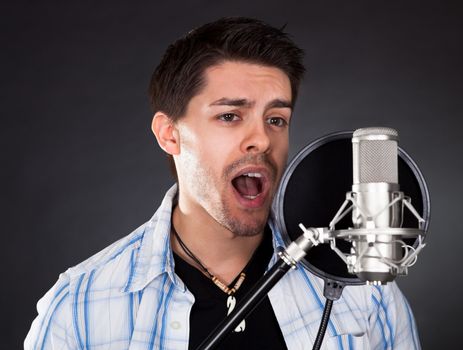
378	252
375	186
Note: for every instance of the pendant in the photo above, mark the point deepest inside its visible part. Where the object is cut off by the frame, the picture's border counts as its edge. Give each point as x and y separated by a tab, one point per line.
231	302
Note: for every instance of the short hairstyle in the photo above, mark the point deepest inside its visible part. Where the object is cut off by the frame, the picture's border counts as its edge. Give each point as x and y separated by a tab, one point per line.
180	74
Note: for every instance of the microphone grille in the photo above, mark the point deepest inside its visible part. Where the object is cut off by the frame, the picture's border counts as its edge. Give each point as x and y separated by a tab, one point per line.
376	131
375	155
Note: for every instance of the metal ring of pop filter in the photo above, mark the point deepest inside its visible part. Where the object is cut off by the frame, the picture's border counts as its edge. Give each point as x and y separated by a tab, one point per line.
313	188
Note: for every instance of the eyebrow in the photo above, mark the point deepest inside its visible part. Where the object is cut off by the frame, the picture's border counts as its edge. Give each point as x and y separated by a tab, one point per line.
235	102
277	103
242	102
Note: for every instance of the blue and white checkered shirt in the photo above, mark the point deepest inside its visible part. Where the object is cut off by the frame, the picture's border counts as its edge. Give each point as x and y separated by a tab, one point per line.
129	297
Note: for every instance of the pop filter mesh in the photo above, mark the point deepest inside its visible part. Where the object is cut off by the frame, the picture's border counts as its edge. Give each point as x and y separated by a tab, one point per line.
313	188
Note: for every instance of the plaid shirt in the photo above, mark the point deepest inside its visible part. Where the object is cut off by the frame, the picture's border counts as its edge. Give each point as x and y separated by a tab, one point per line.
129	297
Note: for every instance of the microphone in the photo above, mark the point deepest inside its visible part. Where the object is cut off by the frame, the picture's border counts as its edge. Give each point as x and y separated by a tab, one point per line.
379	252
375	185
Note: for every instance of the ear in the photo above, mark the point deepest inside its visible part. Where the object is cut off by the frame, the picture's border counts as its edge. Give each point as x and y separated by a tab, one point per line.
166	133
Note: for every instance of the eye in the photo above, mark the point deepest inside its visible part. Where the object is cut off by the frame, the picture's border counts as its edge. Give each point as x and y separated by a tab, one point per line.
228	117
277	121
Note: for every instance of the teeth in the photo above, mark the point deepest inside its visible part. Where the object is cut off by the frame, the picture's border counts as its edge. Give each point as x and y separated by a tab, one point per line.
251	197
253	174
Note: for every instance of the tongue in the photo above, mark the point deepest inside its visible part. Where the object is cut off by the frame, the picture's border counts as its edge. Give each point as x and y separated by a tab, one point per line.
247	186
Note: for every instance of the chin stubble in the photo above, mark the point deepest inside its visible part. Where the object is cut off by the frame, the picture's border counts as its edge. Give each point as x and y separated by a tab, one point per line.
226	219
218	205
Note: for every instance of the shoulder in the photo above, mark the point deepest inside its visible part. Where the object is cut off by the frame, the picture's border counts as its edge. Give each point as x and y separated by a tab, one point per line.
62	308
150	241
114	258
109	254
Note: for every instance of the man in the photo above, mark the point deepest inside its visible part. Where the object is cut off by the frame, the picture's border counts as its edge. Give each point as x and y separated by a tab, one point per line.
223	96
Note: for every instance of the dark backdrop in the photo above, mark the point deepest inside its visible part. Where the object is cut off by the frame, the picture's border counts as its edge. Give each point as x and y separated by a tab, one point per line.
80	168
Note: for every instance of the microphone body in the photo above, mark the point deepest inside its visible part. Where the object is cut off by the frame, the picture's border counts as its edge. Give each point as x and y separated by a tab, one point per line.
375	186
379	252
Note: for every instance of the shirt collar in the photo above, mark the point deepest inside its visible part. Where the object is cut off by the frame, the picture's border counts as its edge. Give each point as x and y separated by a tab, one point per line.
155	254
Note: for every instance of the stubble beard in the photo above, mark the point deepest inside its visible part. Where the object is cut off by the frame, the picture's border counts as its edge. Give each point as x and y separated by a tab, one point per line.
242	228
215	198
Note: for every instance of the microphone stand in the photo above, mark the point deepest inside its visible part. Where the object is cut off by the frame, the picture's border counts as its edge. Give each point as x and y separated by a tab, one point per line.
288	259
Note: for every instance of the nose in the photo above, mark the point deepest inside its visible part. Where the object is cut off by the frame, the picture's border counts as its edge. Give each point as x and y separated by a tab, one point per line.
256	138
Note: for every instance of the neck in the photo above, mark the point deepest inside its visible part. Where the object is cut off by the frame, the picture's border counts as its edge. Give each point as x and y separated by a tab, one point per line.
222	252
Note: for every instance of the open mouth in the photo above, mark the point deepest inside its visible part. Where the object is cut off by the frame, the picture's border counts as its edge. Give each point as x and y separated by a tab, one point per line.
249	185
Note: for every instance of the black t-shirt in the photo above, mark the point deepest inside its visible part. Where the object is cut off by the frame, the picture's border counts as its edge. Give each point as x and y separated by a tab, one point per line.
262	330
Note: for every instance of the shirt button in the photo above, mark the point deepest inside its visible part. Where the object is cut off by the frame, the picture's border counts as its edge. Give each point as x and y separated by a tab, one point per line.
175	325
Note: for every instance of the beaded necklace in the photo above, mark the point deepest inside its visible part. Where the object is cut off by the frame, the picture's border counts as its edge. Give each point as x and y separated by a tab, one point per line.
231	300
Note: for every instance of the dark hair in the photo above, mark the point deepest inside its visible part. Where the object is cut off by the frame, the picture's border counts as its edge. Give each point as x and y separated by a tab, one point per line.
180	74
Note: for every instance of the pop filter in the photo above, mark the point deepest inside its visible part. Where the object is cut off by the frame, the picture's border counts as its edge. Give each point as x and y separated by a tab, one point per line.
312	189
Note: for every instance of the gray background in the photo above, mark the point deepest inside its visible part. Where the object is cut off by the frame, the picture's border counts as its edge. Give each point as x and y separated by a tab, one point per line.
81	169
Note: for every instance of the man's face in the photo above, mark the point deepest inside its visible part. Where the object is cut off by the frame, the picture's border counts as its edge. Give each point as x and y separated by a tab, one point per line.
233	145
